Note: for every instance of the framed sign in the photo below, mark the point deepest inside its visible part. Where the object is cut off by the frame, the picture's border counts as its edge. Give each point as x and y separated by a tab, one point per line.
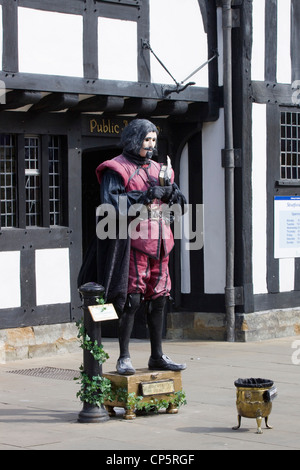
157	388
287	226
103	312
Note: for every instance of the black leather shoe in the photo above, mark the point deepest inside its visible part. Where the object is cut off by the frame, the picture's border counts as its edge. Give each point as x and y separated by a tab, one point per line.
124	366
165	363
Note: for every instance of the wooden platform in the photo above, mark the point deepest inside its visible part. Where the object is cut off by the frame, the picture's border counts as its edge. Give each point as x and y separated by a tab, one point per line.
144	387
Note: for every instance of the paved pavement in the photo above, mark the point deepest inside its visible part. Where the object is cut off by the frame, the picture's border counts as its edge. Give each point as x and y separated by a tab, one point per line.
39	413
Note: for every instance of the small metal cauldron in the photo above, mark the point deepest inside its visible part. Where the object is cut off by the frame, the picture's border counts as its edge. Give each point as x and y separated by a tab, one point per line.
254	400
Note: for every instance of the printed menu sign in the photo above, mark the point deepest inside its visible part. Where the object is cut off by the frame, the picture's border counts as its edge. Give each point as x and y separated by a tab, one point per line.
103	312
287	227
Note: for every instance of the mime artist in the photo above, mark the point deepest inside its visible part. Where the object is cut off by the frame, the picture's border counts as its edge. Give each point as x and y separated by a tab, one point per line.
138	179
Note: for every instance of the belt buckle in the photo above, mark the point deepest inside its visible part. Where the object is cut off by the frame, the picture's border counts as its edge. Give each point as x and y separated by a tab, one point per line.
154	212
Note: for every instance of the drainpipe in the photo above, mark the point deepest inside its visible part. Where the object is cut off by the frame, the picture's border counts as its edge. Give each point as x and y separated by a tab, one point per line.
229	170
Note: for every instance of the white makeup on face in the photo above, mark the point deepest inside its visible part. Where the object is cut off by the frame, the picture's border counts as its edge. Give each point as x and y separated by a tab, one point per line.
149	143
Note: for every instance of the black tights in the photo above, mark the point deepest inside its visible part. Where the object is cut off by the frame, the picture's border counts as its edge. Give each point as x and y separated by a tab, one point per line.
155	320
126	322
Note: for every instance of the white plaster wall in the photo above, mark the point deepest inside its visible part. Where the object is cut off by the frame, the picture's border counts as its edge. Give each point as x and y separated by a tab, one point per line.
177	37
117	49
258	52
185	253
214	207
259	198
220	46
10	289
50	42
52	276
2	84
286	274
1	37
284	66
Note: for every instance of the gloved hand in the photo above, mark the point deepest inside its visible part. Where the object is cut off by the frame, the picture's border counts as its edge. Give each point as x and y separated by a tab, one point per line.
159	192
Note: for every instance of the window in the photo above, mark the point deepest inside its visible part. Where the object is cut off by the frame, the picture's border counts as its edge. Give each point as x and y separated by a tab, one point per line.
290	146
55	180
32	181
42	193
8	188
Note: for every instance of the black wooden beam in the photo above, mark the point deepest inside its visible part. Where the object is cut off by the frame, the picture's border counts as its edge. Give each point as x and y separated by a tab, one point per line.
171	107
45	212
273	149
271	40
132	3
203	9
10	36
67	6
143	34
21	194
54	83
90	41
100	104
55	102
18	98
139	106
295	40
271	93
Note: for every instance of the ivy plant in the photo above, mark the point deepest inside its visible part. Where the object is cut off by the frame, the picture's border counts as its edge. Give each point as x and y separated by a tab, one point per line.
97	389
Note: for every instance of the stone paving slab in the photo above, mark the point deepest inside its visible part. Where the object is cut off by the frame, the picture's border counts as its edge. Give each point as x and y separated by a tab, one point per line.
40	413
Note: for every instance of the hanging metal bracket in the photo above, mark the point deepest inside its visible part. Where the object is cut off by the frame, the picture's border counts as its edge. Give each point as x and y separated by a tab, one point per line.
182	85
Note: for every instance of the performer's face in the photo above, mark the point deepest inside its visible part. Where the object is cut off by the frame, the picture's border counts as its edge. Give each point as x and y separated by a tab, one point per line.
149	143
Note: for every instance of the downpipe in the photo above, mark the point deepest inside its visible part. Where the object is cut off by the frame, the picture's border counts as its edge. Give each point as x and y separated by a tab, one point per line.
229	170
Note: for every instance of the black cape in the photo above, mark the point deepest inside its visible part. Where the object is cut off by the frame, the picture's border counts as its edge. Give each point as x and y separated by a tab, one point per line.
107	261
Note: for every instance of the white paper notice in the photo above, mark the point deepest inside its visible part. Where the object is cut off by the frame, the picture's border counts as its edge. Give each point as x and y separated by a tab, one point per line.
103	312
287	227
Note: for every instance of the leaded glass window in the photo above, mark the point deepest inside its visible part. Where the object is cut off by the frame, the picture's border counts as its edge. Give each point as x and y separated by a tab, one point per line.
55	180
290	146
32	181
8	189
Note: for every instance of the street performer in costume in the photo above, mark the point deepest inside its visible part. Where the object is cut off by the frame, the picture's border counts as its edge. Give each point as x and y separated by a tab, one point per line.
136	269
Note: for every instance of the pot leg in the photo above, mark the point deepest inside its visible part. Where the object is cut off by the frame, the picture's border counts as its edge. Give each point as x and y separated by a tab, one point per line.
129	414
110	410
239	423
172	409
267	425
259	421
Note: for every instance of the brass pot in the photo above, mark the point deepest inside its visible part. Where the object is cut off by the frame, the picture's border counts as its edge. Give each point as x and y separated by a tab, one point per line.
254	400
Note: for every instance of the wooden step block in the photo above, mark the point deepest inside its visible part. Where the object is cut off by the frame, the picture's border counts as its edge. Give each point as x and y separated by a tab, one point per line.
144	387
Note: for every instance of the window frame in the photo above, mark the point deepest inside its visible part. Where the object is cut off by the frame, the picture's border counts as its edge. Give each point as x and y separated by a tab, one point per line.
280	181
289	146
44	148
33	183
12	158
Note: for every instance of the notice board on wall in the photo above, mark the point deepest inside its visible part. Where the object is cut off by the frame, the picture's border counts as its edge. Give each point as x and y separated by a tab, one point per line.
287	226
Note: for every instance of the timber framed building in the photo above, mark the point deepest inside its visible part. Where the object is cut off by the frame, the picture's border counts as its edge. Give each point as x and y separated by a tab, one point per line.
62	109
